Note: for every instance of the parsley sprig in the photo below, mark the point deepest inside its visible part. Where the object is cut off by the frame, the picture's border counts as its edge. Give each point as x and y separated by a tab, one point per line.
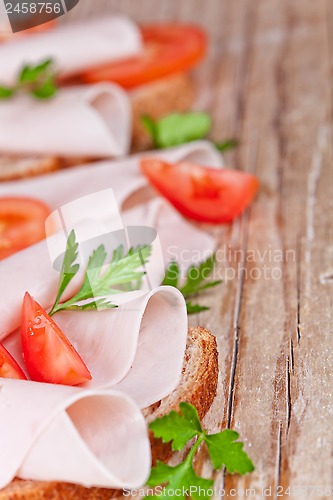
100	279
196	281
224	450
38	80
180	128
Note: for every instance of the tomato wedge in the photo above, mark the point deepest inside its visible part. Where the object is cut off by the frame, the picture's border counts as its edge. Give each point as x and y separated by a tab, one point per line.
8	366
201	193
22	223
48	354
168	49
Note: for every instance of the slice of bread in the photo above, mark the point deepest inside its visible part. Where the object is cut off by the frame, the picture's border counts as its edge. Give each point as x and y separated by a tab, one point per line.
198	386
156	99
17	167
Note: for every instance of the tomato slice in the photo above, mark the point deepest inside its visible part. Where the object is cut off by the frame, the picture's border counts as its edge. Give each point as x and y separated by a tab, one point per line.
22	223
48	354
201	193
168	49
8	366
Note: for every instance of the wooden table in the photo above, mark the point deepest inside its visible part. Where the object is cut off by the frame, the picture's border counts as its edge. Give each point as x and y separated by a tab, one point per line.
268	80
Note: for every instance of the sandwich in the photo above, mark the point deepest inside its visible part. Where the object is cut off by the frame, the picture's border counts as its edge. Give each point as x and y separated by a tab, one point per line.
184	367
150	63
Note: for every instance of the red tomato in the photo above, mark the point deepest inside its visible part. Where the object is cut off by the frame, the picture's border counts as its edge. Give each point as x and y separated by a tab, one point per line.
22	223
201	193
48	354
8	366
168	49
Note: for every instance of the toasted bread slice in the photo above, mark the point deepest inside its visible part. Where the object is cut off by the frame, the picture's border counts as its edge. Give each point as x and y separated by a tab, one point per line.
197	386
156	99
17	167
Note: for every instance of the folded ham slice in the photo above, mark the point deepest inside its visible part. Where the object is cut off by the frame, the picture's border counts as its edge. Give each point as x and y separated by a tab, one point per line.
93	121
74	47
60	433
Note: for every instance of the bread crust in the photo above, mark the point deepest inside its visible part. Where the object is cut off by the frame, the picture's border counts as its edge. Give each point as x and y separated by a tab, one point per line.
198	386
156	99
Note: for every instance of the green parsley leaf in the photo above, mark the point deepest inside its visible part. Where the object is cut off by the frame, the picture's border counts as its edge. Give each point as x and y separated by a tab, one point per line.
151	127
6	92
226	145
95	305
196	275
222	447
181	480
195	308
30	74
223	450
195	283
46	89
68	269
178	427
178	128
172	274
38	80
100	279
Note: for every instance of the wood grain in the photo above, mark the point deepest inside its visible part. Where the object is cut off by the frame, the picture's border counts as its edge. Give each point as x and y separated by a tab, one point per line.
268	81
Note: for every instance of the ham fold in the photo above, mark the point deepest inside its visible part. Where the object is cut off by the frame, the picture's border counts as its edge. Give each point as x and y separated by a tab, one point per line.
92	121
96	433
74	47
54	432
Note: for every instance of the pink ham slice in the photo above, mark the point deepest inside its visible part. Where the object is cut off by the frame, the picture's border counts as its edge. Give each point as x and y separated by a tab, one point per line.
92	122
74	47
89	437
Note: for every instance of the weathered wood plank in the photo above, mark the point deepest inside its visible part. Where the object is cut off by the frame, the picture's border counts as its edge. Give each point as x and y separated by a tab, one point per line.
271	380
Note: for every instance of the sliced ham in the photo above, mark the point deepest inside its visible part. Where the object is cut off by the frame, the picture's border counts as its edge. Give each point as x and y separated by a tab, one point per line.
74	47
92	121
59	433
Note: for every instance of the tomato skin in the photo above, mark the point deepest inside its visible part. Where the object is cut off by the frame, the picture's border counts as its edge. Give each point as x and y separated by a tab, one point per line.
8	366
22	223
168	49
201	193
48	354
